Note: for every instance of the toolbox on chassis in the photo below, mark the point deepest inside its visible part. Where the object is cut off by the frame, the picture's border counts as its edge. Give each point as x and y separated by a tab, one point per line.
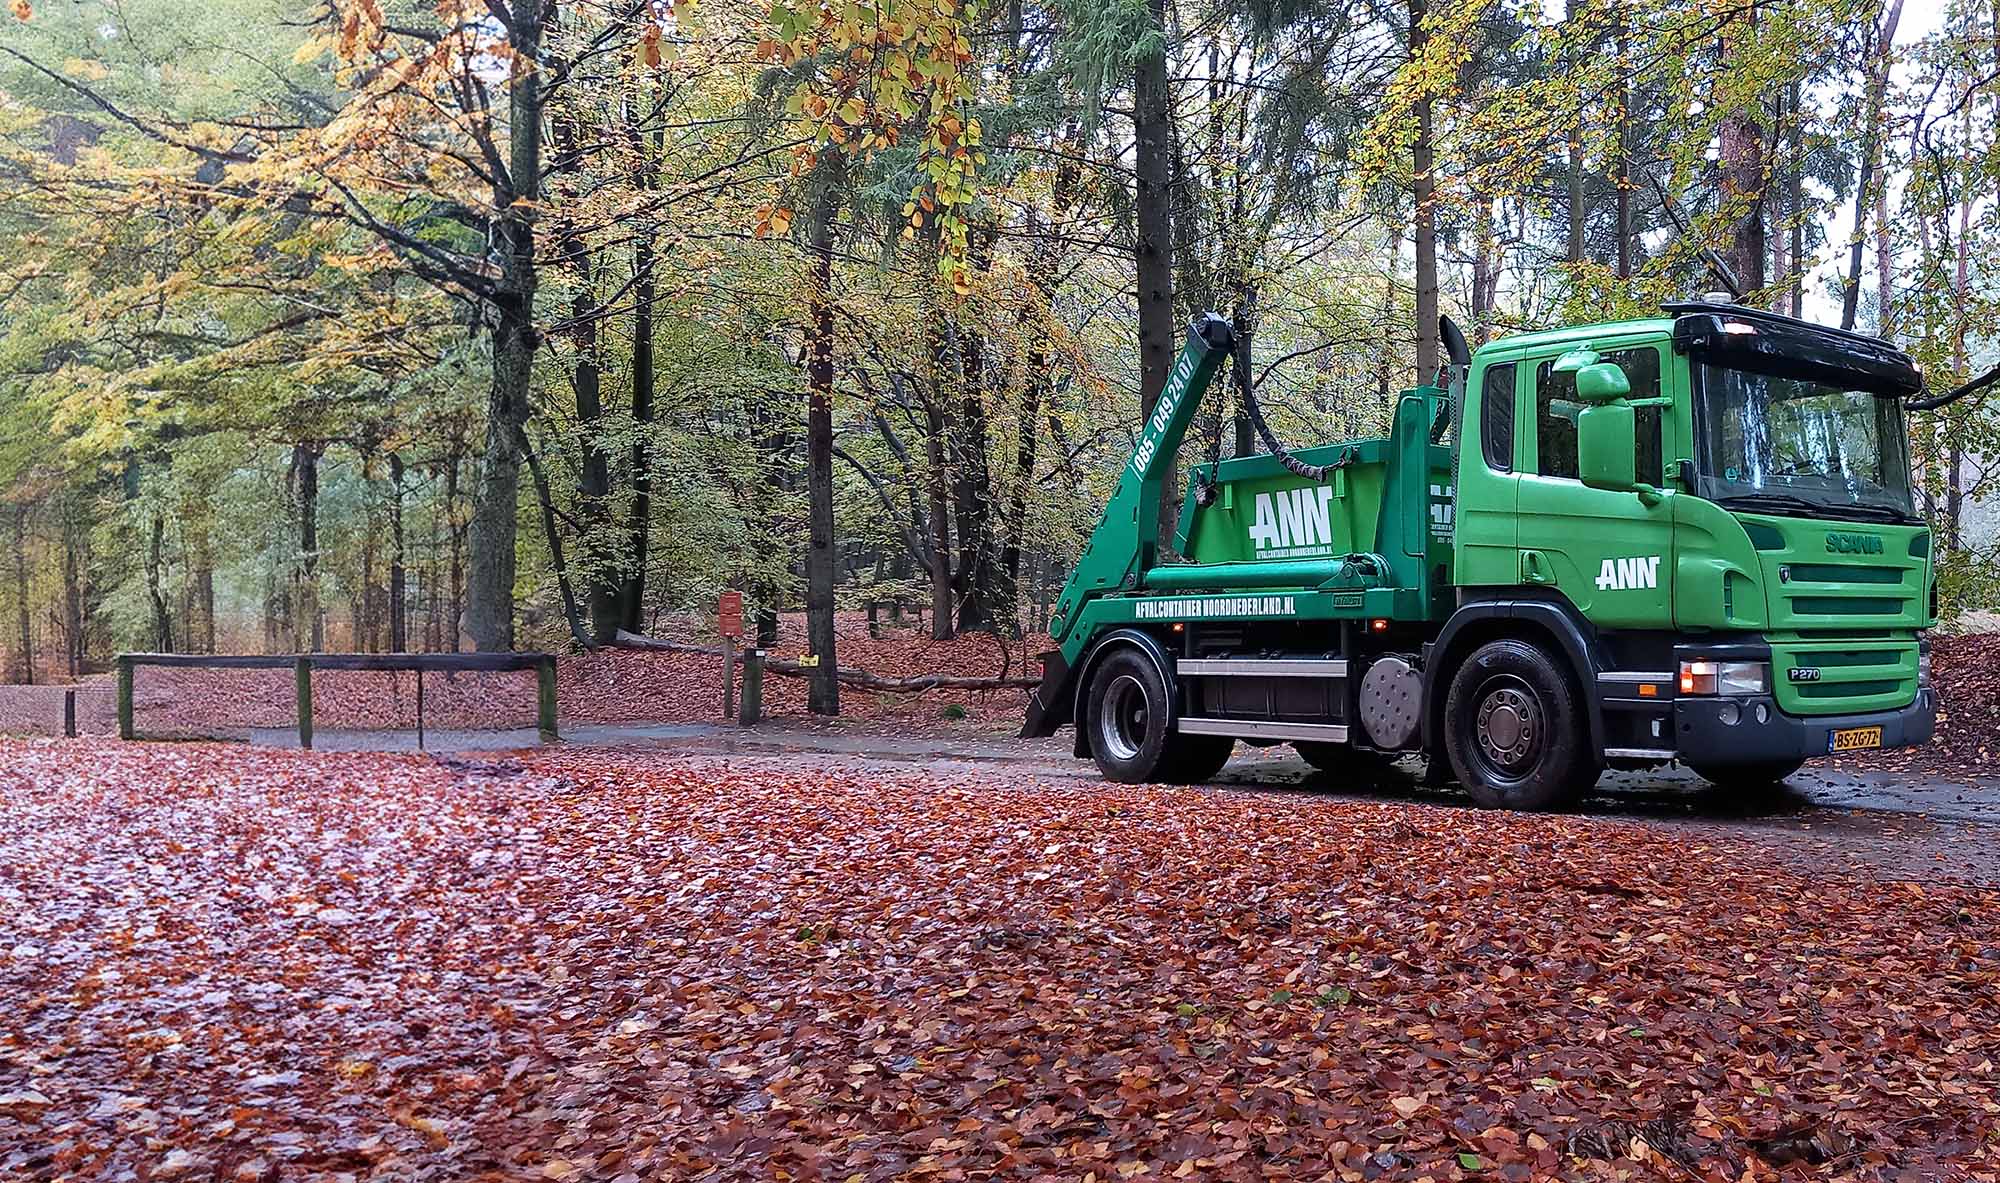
1684	537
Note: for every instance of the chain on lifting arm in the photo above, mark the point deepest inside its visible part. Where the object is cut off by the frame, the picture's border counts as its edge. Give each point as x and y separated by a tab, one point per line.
1294	465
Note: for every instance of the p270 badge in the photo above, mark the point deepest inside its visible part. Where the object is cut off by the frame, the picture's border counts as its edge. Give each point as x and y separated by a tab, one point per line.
1804	673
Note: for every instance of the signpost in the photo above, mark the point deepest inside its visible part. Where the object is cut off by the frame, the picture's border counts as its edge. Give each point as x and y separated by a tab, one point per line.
729	622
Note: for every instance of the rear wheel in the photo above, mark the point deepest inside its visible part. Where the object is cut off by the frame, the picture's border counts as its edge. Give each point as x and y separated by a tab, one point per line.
1748	778
1515	730
1130	720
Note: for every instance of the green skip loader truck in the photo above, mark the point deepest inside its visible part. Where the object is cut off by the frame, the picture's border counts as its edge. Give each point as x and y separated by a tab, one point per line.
1688	537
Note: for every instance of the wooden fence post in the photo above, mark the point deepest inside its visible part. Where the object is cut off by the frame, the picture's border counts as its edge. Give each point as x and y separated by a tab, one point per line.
69	714
304	674
420	708
124	697
753	687
728	676
546	670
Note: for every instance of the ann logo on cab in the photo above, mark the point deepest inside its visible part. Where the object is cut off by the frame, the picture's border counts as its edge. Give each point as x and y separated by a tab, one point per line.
1629	574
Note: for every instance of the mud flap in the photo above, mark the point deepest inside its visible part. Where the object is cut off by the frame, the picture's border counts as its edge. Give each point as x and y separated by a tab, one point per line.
1049	704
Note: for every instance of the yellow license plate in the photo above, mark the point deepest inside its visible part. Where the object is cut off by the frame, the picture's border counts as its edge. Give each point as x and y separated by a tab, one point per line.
1854	739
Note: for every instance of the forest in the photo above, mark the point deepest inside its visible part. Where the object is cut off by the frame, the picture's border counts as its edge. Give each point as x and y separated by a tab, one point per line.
377	325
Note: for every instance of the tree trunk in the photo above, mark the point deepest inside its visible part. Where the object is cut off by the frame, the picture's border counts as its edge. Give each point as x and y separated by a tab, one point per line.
1485	271
823	693
74	593
1954	477
1885	267
1742	145
24	614
163	620
1034	320
1574	188
1424	226
937	474
433	593
1875	116
1784	148
566	589
399	621
1795	203
1624	198
489	608
456	531
639	525
1573	180
1153	251
939	515
973	489
1027	434
1385	319
204	602
308	631
645	381
198	621
596	553
366	637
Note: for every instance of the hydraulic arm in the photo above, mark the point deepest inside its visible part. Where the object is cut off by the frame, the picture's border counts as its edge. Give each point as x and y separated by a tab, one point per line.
1126	542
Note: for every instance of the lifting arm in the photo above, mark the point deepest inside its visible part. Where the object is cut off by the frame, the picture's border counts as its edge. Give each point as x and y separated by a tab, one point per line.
1126	542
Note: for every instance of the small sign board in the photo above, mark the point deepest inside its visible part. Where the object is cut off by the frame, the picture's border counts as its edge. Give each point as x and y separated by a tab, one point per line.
729	615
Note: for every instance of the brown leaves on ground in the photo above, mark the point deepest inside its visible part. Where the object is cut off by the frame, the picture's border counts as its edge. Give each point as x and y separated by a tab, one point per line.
221	963
1967	743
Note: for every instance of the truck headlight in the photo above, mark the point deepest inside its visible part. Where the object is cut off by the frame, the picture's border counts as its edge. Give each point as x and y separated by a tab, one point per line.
1924	665
1725	677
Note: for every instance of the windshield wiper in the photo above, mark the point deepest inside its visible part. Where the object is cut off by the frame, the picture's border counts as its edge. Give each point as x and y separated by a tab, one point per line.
1779	501
1814	509
1886	513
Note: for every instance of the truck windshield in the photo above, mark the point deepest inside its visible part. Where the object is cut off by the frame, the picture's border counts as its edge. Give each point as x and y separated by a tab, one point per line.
1792	445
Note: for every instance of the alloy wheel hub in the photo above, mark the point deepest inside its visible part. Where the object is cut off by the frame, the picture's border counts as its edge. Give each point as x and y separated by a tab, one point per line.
1510	729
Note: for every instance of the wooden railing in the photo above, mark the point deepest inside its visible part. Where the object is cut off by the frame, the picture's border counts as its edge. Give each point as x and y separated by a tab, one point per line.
544	664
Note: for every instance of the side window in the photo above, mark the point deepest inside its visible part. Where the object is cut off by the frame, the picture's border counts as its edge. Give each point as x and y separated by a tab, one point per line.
1556	410
1496	417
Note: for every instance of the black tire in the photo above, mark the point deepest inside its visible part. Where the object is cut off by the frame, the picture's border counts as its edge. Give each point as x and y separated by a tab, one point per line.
1515	731
1130	719
1748	778
1346	762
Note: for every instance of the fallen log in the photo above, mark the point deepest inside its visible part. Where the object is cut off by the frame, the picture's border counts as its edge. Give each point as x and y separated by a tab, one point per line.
860	679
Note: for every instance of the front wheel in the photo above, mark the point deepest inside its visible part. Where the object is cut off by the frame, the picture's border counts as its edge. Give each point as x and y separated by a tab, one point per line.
1749	778
1515	730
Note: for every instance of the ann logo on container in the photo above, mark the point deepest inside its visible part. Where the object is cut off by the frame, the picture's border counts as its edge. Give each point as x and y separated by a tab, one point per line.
1629	574
1293	523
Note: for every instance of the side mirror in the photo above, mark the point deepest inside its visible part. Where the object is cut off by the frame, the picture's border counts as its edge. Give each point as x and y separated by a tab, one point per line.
1601	382
1604	451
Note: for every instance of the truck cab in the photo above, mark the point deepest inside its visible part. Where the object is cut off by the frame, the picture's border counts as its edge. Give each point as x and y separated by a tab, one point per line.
1685	537
1752	575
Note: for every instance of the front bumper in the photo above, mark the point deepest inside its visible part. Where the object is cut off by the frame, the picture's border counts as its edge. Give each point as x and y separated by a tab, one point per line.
1704	739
